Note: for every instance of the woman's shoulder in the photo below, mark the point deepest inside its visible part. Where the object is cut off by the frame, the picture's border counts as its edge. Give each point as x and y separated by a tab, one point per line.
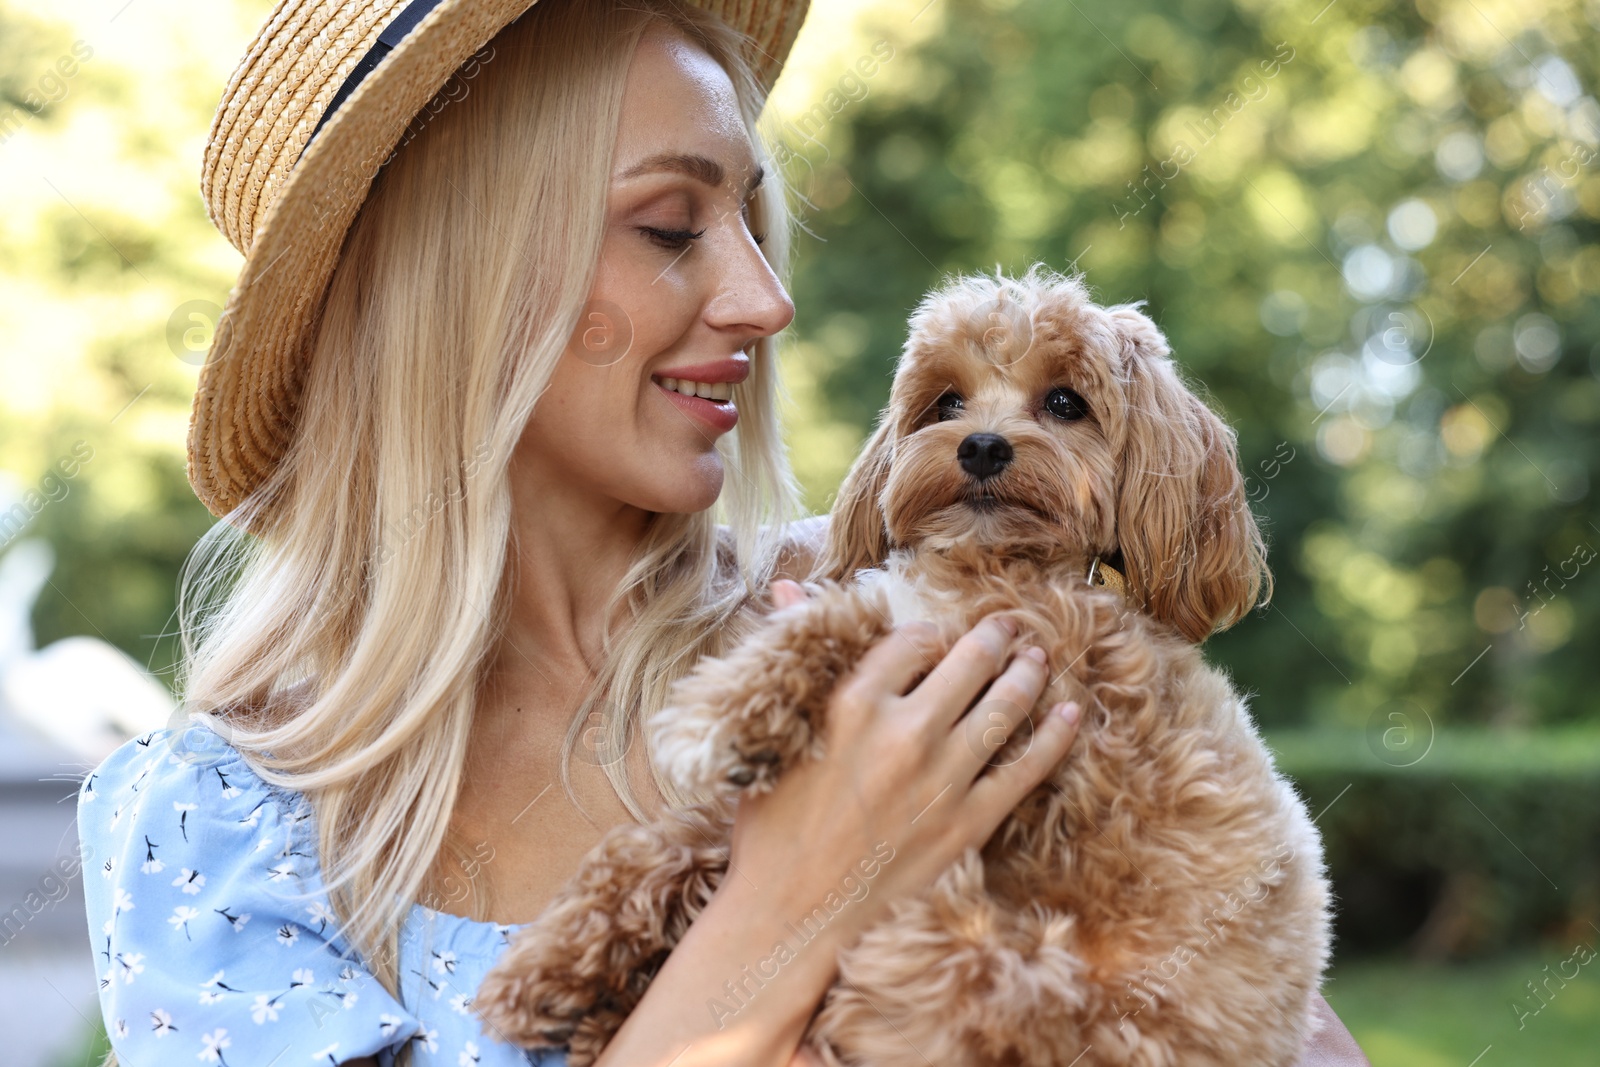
804	540
193	759
189	787
193	754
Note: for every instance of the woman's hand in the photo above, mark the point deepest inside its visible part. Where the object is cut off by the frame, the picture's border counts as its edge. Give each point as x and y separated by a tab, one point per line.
902	777
1331	1046
900	793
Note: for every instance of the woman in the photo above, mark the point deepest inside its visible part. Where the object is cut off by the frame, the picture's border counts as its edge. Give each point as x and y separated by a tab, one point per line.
483	495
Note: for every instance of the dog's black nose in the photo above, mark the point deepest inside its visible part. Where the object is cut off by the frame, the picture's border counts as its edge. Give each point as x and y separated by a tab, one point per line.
983	455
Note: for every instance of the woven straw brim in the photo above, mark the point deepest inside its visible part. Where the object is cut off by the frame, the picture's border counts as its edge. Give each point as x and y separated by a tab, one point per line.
290	218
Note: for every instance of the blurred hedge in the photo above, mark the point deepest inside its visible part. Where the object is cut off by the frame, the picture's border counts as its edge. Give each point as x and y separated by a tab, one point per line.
1458	844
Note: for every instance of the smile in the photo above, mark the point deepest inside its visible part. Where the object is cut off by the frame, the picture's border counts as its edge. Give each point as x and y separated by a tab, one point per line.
710	404
704	390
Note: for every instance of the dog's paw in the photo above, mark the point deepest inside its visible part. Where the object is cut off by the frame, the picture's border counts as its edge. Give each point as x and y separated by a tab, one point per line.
730	739
739	721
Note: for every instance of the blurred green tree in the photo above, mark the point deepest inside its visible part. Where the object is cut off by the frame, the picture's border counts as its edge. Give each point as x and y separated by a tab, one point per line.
104	243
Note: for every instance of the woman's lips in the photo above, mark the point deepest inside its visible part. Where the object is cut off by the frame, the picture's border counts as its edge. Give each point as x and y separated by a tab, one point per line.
718	415
713	381
733	369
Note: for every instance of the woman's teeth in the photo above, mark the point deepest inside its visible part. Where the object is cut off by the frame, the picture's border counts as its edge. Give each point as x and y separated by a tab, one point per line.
705	390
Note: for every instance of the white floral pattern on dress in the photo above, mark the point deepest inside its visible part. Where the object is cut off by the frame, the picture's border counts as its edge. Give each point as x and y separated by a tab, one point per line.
216	943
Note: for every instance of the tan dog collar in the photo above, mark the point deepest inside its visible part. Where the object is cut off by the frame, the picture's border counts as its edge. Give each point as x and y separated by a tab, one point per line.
1104	574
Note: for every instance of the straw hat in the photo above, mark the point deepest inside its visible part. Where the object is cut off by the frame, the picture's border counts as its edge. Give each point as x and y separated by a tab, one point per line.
320	101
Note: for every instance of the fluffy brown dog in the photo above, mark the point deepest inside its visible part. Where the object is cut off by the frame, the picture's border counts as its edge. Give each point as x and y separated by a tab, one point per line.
1159	900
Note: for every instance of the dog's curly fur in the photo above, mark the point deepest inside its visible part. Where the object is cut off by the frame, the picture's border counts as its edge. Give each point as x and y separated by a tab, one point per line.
1159	899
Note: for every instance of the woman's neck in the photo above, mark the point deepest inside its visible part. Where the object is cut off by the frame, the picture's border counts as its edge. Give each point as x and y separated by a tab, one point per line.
569	554
570	551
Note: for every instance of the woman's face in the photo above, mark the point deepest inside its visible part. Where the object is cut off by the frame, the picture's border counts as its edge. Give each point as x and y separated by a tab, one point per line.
643	391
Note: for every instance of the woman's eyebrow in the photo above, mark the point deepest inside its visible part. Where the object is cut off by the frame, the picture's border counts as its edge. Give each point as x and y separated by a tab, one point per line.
701	168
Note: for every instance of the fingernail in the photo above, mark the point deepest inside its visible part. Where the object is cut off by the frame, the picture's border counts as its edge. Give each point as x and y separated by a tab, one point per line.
1068	711
1035	653
1008	624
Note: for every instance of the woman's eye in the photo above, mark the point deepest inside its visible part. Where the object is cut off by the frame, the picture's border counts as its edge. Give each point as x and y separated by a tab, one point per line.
758	238
949	406
1066	405
675	240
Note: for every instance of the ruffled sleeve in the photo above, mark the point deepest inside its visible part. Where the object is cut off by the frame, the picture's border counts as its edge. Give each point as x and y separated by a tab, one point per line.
212	933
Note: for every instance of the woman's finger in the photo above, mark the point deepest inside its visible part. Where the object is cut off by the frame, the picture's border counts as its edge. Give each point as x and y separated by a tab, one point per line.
971	664
787	593
995	794
1006	704
804	1057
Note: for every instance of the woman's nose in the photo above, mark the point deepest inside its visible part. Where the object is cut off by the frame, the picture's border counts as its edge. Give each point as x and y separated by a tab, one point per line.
749	295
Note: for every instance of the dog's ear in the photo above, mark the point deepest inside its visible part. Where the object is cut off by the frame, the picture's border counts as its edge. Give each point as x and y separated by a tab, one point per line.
857	537
1194	554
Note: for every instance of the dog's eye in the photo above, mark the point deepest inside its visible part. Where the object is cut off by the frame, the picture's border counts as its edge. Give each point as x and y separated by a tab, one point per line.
949	406
1066	405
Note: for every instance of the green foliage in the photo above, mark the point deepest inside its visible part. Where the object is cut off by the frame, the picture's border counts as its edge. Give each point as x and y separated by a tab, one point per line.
1368	231
26	48
104	241
1456	844
120	545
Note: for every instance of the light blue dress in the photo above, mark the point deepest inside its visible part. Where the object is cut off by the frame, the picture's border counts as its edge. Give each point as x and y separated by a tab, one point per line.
214	940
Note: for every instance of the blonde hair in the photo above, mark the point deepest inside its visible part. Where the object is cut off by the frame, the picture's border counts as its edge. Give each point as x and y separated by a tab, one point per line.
342	653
